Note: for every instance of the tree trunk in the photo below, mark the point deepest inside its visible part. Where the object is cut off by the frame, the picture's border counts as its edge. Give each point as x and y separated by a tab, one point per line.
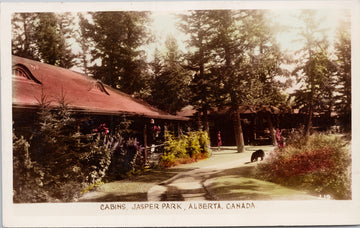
206	122
239	136
145	144
271	128
236	132
309	123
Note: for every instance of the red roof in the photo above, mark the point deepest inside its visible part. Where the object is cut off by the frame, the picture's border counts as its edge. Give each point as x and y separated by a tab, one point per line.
32	80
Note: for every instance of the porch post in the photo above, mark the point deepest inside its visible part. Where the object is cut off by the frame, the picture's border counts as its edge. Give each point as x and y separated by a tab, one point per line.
165	131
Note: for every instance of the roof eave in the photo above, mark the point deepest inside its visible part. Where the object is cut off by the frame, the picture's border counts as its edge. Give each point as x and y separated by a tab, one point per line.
109	113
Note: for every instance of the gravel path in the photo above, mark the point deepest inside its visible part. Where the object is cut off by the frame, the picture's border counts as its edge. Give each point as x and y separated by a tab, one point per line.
189	186
193	185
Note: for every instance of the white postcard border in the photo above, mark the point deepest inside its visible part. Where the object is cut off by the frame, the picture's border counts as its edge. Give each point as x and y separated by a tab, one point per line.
91	215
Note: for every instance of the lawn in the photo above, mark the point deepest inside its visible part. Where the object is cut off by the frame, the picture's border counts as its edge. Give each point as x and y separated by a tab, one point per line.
239	184
130	189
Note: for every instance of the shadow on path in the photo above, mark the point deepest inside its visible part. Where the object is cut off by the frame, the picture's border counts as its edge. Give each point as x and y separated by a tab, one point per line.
131	189
114	197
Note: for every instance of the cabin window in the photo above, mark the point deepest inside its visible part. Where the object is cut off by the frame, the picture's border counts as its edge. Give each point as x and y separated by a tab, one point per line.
20	71
98	87
101	87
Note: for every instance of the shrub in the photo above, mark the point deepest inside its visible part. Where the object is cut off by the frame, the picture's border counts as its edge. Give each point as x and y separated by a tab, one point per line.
127	159
168	160
185	148
176	146
28	176
136	155
95	157
204	141
193	148
320	164
57	162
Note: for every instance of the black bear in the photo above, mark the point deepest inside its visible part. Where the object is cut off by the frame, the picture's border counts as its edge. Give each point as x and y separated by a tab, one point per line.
257	154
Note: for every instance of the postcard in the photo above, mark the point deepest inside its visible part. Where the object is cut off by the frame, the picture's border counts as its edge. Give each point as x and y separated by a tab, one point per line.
183	113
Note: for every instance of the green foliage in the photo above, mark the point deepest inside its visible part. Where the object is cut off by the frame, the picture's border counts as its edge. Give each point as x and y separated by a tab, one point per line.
43	36
176	146
23	31
28	177
314	70
136	161
198	144
235	59
204	142
197	25
168	159
193	145
47	38
320	165
343	63
116	37
66	30
95	157
185	148
127	159
169	89
92	186
61	161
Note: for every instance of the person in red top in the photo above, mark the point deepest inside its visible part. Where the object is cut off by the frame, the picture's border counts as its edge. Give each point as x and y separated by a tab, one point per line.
219	140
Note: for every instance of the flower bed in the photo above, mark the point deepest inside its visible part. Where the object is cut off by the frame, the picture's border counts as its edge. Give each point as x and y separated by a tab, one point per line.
320	165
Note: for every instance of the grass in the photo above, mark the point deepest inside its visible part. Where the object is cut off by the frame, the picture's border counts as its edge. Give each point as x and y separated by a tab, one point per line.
239	184
131	189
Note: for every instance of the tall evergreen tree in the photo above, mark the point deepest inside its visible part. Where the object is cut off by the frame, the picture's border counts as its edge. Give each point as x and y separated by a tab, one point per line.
343	73
43	37
248	59
170	84
316	70
227	43
47	39
157	64
236	59
198	26
265	59
66	32
85	44
117	37
23	29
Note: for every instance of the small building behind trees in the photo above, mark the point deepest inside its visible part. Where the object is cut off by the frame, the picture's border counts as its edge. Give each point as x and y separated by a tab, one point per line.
257	122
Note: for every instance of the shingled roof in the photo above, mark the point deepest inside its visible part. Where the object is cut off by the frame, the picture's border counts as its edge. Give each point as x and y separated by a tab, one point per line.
33	80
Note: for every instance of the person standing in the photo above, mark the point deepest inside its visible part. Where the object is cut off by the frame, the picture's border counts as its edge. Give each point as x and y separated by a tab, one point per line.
219	140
